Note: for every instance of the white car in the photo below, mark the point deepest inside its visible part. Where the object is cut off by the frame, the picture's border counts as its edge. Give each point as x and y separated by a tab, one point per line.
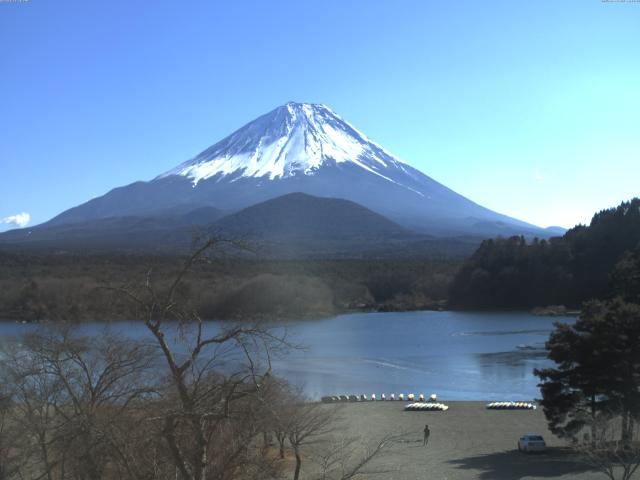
531	442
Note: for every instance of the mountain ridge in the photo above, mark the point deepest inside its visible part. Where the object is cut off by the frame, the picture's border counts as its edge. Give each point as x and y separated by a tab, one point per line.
305	148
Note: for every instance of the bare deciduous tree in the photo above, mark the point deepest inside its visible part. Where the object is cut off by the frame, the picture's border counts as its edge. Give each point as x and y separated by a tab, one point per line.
346	458
68	392
312	430
201	427
7	459
611	447
196	401
307	424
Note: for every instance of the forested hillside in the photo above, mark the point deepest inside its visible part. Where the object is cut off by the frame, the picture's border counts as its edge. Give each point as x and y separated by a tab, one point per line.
567	270
75	287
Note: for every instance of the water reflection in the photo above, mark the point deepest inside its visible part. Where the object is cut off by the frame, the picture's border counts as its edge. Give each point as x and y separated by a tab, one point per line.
459	355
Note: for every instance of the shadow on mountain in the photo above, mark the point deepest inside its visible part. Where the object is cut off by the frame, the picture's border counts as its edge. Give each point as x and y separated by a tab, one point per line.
513	465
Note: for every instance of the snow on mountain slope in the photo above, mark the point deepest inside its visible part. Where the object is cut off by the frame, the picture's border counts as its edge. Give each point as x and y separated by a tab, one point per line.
294	139
302	147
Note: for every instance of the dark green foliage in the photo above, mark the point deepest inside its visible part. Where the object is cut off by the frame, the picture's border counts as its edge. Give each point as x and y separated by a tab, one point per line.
625	278
512	273
597	369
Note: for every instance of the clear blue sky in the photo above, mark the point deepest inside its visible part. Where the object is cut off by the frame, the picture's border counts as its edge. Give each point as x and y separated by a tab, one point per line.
529	108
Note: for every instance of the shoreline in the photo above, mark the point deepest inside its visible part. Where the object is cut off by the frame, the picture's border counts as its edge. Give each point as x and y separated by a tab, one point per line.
467	441
449	403
310	318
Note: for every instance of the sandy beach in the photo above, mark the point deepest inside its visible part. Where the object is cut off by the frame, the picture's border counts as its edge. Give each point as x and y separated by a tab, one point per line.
467	442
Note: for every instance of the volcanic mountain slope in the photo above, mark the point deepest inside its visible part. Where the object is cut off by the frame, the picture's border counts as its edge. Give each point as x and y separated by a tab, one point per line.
301	216
303	148
170	229
298	225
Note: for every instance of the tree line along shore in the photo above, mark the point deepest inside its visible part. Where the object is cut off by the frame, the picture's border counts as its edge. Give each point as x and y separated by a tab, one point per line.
79	287
513	273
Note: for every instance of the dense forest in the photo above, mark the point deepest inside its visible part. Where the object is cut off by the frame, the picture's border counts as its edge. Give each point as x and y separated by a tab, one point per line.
587	262
80	287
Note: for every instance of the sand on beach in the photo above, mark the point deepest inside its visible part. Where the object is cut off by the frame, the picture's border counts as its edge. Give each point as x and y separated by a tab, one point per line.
466	442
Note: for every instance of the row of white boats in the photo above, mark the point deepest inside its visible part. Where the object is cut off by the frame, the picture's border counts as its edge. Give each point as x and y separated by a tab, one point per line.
420	402
427	406
383	397
511	406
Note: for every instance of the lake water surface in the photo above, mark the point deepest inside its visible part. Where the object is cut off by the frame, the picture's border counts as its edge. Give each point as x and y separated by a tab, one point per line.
458	355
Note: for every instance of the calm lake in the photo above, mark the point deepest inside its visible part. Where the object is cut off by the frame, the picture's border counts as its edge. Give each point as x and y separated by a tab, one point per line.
458	355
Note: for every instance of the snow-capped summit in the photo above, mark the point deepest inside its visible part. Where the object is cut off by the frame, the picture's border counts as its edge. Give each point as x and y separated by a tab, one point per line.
307	148
294	139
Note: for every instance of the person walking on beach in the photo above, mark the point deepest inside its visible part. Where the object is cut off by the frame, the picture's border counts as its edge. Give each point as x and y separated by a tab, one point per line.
427	432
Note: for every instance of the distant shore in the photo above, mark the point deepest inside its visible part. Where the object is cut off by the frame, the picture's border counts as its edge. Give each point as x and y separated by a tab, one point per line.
386	308
555	311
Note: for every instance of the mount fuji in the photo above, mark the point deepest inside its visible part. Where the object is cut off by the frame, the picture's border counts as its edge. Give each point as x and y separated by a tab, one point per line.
301	147
307	156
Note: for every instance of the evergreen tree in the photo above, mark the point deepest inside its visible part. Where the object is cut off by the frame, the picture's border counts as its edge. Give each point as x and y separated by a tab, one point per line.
597	369
513	273
625	278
